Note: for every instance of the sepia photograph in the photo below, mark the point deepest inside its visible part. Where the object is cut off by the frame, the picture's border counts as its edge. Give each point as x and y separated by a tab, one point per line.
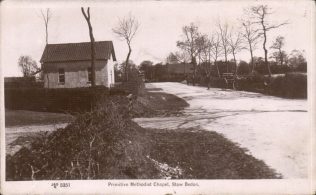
156	95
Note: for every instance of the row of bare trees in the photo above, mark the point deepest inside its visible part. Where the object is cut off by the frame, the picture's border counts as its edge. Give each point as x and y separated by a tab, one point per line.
199	48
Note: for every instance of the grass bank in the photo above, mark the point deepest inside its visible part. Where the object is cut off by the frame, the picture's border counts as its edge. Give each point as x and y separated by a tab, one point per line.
205	155
153	104
25	117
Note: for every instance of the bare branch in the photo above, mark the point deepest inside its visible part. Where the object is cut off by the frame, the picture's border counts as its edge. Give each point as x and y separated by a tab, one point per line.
276	26
88	11
84	13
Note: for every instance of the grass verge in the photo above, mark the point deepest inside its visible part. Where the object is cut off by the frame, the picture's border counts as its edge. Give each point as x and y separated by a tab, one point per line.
24	117
154	104
206	155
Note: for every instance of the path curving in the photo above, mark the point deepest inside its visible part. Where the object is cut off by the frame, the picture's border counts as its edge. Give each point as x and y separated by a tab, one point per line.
272	129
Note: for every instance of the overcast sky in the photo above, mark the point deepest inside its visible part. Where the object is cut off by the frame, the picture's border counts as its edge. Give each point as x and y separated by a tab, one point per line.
23	32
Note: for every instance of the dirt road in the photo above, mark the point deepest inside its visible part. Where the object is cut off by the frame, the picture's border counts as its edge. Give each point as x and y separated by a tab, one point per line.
272	129
25	132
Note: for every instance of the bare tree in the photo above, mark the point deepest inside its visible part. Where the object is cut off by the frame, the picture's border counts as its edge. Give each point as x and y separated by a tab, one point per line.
205	54
216	50
126	29
177	57
202	44
189	44
278	45
206	50
172	58
93	50
297	60
275	56
251	36
235	43
28	66
258	15
46	15
223	29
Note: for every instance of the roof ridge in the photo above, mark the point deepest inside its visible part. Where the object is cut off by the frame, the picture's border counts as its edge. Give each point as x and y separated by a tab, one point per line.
76	43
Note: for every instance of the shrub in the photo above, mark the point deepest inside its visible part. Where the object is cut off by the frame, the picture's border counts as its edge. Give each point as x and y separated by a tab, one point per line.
135	85
217	82
117	90
290	85
89	148
253	82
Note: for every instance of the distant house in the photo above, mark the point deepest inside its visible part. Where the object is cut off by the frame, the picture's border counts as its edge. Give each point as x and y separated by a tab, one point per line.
180	69
68	65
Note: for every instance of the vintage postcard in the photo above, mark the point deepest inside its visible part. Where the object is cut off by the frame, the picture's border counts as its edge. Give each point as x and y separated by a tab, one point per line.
157	97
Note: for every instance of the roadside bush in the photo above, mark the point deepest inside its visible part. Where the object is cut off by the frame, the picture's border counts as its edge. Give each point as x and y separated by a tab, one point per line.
290	85
214	82
218	82
135	85
253	83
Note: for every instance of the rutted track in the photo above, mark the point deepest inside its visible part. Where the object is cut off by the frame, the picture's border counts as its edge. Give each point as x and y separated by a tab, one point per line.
13	133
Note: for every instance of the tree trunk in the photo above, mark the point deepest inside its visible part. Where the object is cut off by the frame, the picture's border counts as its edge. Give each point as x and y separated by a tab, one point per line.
193	61
126	62
208	81
251	55
93	52
209	75
234	55
226	61
46	28
266	51
281	57
218	72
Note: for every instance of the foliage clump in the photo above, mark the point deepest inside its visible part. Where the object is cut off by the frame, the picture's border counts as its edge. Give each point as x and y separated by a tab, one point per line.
103	143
